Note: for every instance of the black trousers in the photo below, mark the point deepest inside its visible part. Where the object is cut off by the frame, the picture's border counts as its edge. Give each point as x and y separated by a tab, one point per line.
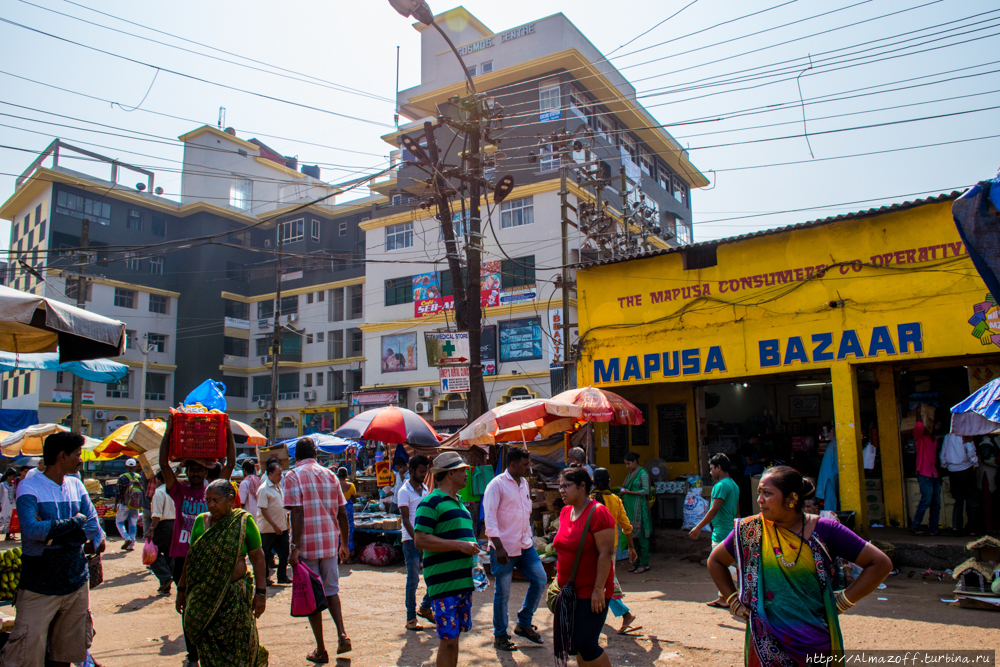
279	544
192	650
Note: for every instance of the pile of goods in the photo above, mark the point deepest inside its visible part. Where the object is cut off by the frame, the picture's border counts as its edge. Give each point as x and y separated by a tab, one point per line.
10	573
377	521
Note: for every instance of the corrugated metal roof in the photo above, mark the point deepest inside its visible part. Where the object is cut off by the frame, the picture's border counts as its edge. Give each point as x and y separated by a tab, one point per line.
778	230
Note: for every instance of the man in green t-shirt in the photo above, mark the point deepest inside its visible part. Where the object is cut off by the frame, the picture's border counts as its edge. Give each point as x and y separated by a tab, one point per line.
443	530
724	510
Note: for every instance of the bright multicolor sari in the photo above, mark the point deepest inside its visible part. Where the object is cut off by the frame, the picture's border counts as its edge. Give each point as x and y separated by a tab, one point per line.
793	613
218	616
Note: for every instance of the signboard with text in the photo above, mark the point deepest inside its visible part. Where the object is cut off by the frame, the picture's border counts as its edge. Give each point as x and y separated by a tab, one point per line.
61	396
447	348
454	380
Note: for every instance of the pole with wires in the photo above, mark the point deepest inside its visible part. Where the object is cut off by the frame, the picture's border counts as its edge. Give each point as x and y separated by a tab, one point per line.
76	407
276	343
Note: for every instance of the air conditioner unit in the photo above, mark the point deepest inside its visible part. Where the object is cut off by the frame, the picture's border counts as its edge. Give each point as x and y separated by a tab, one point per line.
265	359
261	402
267	415
422	406
100	414
293	317
267	243
522	397
309	395
425	392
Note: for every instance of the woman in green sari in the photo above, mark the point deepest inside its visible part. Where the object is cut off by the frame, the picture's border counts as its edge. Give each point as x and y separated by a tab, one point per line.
635	497
216	596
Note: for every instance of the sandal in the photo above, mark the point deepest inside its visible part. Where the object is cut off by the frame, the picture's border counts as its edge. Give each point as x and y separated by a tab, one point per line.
503	643
717	604
319	657
626	622
531	634
344	646
633	568
414	625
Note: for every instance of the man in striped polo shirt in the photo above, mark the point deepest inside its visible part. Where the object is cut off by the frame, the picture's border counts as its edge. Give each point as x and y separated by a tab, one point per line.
443	530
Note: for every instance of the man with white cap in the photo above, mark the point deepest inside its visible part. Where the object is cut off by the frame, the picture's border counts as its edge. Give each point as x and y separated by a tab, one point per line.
131	489
443	530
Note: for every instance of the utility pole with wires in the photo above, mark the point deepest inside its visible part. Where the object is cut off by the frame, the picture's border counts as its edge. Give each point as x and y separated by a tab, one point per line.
276	342
76	407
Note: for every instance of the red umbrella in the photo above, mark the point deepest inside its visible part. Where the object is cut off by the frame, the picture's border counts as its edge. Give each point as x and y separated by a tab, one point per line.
393	425
600	405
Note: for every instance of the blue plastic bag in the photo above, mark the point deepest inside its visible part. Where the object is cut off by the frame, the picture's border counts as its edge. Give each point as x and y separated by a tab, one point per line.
209	393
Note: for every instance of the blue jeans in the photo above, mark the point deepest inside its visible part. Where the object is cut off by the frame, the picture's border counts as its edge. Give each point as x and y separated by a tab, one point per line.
127	517
531	567
930	495
412	556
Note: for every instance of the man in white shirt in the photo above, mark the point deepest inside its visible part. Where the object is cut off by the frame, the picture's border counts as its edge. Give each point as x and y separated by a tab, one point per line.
958	456
402	477
272	520
161	530
408	497
35	471
507	511
249	488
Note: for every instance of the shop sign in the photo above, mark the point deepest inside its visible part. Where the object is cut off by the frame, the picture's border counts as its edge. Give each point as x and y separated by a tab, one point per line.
488	349
383	473
62	396
447	348
427	298
512	295
375	397
455	380
291	275
521	340
556	337
234	323
500	38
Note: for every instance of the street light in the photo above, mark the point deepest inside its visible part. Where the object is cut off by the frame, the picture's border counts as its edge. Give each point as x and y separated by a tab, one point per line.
419	10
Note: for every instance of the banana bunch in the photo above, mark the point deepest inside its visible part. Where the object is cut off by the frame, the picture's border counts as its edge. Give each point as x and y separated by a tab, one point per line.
10	572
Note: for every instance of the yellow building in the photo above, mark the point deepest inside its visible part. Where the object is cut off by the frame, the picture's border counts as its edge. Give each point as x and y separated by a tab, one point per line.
836	327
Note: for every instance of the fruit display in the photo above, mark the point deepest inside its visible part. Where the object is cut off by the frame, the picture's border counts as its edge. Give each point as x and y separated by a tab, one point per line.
10	573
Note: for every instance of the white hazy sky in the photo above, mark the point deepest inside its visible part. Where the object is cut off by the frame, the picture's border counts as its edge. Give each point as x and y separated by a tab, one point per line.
935	57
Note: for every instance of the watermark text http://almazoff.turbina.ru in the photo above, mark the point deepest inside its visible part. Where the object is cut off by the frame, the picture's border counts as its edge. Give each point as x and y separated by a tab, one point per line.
907	658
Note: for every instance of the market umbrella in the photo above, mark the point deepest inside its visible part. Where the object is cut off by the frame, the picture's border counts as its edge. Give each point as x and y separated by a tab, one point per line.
31	323
393	425
600	405
30	461
95	370
978	414
325	442
252	435
518	414
29	441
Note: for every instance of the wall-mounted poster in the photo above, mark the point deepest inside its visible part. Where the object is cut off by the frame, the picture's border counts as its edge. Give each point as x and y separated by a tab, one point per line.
488	349
426	294
399	353
521	340
489	288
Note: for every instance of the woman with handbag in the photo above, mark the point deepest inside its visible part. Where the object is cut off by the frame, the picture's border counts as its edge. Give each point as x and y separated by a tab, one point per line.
585	577
635	497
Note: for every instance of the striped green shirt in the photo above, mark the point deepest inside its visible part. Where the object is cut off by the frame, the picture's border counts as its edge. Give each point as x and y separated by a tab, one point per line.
446	573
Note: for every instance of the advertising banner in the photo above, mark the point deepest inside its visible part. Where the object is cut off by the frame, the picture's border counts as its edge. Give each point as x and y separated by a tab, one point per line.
455	380
521	340
488	349
399	353
447	348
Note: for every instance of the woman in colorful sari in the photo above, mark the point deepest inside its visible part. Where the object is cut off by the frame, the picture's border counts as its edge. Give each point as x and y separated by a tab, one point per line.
219	602
635	497
602	493
349	493
786	568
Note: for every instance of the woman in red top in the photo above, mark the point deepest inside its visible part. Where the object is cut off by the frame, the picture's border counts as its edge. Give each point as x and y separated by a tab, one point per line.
579	618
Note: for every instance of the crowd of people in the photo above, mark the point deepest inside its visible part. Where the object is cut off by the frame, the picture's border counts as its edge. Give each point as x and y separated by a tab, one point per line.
206	530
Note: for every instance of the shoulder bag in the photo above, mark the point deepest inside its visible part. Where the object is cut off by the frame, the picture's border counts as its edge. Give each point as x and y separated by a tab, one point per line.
553	591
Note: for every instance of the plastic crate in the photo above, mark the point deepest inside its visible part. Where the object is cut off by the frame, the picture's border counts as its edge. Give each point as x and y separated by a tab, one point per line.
198	436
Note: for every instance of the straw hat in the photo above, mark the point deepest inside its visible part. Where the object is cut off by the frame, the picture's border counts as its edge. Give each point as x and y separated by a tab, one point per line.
447	462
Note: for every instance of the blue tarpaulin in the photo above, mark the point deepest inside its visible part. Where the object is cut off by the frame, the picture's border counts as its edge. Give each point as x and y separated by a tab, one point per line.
96	370
327	443
975	215
978	414
15	420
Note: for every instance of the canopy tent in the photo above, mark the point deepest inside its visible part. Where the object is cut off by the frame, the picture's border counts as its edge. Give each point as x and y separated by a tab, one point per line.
95	370
330	444
31	323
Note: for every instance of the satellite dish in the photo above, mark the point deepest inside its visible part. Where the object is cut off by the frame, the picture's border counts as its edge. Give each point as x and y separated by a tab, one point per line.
140	186
158	190
658	470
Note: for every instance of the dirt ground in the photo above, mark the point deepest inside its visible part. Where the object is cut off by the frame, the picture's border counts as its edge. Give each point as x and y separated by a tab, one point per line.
135	627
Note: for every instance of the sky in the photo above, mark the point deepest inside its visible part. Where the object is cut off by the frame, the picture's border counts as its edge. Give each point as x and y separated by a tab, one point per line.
794	109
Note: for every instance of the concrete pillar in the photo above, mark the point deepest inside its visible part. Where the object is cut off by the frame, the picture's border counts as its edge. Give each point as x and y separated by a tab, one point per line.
701	430
893	484
847	420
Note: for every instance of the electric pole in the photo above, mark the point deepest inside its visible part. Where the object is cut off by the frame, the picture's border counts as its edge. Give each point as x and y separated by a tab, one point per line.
76	408
276	342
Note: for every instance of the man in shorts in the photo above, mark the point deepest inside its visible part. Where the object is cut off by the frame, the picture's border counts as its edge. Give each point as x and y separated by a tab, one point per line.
443	530
53	598
315	499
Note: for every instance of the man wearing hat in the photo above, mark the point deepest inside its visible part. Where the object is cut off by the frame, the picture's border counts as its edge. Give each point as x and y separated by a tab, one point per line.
443	530
131	489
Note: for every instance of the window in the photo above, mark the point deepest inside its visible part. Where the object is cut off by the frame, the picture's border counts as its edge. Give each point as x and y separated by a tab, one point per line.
132	262
235	347
520	340
237	272
263	346
309	298
309	339
73	289
239	238
601	125
664	181
289	304
517	212
158	303
158	226
472	71
27	383
320	336
315	230
447	288
265	309
319	379
397	200
241	193
645	163
261	387
59	377
684	234
460	224
291	231
342	229
630	146
79	207
549	104
119	389
399	291
336	345
337	305
157	341
518	272
130	339
134	220
156	386
124	298
320	297
236	385
335	388
680	191
237	310
307	381
156	265
291	345
577	105
487	67
549	160
357	301
288	386
399	236
357	342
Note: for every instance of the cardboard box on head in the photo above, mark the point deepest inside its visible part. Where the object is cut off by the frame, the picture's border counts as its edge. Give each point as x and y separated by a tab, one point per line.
265	454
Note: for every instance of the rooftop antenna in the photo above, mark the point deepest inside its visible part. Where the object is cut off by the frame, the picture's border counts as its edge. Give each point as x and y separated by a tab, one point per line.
222	117
396	99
